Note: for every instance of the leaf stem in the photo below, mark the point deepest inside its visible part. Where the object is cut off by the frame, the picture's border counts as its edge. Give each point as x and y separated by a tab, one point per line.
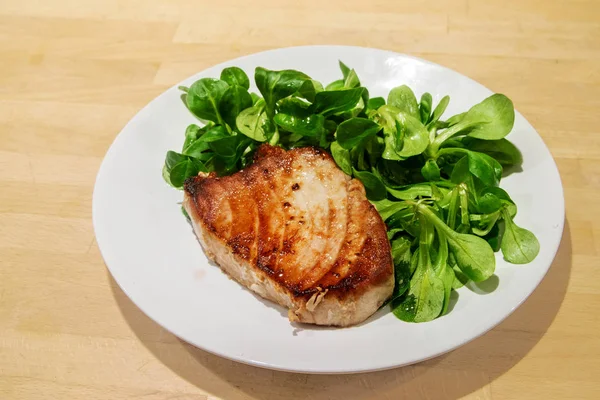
453	208
425	240
442	257
464	205
275	138
434	219
445	135
451	150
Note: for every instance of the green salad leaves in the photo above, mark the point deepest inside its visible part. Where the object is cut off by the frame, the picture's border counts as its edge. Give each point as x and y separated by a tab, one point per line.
434	181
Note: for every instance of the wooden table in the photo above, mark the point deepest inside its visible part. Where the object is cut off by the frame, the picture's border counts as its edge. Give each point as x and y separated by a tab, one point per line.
73	73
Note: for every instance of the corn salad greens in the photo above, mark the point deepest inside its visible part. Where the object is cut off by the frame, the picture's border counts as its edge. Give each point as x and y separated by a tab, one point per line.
434	181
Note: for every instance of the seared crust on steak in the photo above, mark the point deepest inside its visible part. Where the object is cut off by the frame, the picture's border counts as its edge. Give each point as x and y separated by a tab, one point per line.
296	230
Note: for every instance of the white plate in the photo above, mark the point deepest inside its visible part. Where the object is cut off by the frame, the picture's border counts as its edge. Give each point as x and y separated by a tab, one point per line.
155	258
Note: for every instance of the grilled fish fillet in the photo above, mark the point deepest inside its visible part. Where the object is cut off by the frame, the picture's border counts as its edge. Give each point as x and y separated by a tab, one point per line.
295	229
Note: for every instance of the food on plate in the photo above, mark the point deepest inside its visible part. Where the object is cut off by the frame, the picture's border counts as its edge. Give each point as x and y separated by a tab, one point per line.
297	230
434	180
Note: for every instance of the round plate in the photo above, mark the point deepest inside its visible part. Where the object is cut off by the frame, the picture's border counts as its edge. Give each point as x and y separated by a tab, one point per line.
152	252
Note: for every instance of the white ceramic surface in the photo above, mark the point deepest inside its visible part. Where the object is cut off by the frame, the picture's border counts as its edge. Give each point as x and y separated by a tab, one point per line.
155	258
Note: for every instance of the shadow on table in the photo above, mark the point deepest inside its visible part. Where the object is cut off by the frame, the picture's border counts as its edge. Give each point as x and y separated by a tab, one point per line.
456	374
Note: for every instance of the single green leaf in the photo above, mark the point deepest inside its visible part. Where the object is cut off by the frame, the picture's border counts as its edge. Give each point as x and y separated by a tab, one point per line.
353	131
425	106
474	256
375	102
234	101
501	150
183	170
310	88
341	157
173	158
344	68
403	98
331	102
373	186
491	119
254	122
204	98
484	167
519	246
294	106
439	110
311	125
235	76
180	172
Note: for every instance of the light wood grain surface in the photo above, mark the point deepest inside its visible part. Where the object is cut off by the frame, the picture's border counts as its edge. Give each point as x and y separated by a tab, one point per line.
72	73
